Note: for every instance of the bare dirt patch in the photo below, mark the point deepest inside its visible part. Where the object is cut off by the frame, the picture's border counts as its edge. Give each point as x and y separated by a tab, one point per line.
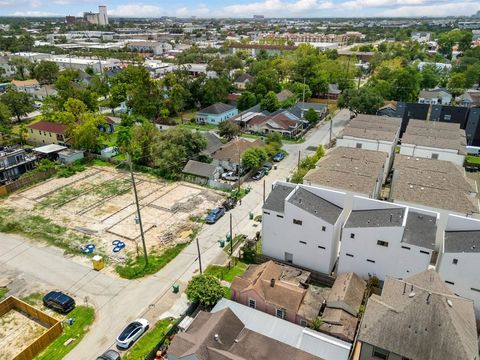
99	202
17	330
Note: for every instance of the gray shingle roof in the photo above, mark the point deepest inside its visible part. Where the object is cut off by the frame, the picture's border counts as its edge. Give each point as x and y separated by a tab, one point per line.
420	230
276	200
316	205
199	169
217	108
376	218
419	318
462	241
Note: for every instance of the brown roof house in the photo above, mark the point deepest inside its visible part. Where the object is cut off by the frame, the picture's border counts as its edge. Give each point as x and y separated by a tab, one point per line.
26	85
223	336
228	155
279	290
46	132
418	318
279	122
340	316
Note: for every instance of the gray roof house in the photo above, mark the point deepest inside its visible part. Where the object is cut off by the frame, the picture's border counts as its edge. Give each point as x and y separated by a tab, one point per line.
417	318
202	170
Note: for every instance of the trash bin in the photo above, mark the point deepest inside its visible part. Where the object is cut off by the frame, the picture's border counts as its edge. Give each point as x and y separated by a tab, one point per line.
98	262
175	288
222	243
228	237
247	190
250	216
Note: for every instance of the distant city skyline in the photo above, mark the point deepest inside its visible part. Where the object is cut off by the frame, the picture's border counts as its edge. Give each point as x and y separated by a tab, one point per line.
245	8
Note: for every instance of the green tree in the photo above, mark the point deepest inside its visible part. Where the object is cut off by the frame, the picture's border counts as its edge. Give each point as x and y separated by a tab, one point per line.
246	101
456	84
21	66
270	102
46	72
311	116
228	129
86	135
5	115
18	102
364	100
254	157
406	85
204	289
215	90
430	77
298	89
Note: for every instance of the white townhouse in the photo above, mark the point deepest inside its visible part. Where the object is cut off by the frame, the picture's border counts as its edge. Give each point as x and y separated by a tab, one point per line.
459	259
301	225
384	239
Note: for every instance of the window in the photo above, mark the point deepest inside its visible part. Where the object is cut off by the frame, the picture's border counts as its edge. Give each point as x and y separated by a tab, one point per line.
379	353
455	261
280	313
382	243
266	213
347	254
434	156
324	228
447	117
297	222
31	131
372	261
321	247
252	303
352	236
359	145
424	252
303	323
303	242
405	247
449	282
280	216
289	258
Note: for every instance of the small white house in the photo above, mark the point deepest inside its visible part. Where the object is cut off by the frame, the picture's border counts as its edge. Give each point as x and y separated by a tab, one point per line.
68	156
460	258
301	225
384	239
434	97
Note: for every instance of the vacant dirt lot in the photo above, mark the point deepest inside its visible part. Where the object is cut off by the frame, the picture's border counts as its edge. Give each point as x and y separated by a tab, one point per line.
17	330
99	202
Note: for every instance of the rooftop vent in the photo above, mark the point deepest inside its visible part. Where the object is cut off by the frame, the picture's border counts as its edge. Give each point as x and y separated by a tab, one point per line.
411	295
428	297
449	303
272	282
216	337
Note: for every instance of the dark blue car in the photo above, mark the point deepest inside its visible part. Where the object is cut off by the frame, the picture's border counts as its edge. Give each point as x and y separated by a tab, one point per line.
214	215
59	302
278	157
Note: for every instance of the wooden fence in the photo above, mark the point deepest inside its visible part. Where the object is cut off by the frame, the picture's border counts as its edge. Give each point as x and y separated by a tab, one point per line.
25	181
54	327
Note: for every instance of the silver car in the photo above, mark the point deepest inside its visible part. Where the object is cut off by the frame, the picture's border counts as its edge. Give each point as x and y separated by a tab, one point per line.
131	333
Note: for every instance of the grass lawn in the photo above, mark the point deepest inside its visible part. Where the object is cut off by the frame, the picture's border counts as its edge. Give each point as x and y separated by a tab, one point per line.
3	292
148	341
34	299
198	127
227	292
135	268
223	273
83	317
39	228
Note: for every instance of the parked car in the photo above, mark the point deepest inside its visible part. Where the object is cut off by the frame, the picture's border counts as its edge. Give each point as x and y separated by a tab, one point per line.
267	166
59	302
131	333
278	157
109	355
259	174
231	176
229	204
214	215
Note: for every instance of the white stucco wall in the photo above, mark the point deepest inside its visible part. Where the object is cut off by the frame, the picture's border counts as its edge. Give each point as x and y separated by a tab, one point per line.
426	152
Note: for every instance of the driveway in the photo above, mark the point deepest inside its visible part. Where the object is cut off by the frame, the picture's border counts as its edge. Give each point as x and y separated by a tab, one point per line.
119	301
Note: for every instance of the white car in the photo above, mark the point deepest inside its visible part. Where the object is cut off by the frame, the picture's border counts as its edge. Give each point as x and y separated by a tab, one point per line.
131	333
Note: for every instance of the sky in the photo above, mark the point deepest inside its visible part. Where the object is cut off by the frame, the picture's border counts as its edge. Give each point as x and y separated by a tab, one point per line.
244	8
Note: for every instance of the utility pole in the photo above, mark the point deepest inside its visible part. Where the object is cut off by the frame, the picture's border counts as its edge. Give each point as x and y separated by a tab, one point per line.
231	236
264	191
239	167
199	256
303	97
298	162
138	210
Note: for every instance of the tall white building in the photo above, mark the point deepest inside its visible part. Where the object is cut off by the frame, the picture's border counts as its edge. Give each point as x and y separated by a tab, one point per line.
460	256
381	238
301	225
102	15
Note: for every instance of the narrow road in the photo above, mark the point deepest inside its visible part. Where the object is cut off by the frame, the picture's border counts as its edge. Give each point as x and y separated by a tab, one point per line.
119	301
